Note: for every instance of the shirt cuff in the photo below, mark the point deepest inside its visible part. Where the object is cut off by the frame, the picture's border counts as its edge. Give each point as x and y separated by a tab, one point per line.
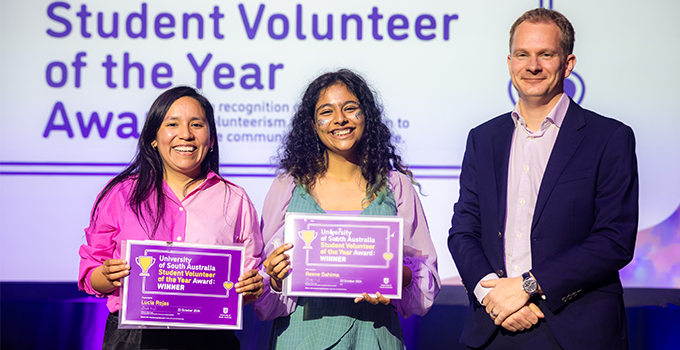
481	292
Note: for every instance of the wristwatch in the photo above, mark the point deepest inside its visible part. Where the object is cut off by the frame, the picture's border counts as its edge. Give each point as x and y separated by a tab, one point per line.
529	284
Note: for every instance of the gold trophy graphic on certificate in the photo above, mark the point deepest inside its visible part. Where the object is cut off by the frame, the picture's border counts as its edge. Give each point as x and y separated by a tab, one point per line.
308	236
145	262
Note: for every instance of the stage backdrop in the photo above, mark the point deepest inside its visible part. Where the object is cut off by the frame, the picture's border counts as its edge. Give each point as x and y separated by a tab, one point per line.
77	79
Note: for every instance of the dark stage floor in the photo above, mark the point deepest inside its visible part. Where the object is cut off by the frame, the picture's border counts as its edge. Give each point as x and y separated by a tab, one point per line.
58	316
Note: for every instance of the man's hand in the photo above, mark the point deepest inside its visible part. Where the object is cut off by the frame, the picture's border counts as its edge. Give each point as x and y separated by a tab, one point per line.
523	319
506	298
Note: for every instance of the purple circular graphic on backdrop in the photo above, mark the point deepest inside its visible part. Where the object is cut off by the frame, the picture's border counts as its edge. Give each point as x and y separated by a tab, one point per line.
569	87
573	86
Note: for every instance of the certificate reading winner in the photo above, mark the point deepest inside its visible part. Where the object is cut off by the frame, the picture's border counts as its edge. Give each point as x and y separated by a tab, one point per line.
181	286
344	256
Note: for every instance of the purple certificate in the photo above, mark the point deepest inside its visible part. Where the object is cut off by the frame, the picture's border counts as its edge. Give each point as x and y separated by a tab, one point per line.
344	256
181	286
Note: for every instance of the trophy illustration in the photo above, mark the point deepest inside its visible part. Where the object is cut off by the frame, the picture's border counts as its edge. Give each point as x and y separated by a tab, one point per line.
228	286
145	262
308	236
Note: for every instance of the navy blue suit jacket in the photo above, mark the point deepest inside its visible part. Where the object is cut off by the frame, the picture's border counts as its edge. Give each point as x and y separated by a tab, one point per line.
583	229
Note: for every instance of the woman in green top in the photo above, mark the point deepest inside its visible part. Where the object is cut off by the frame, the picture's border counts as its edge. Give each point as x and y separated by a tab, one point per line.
339	158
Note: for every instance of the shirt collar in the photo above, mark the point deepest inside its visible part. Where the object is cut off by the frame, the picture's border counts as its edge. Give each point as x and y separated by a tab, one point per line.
211	175
556	115
211	179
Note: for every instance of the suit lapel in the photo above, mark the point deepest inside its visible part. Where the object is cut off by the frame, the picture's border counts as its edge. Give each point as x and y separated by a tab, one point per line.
566	144
502	141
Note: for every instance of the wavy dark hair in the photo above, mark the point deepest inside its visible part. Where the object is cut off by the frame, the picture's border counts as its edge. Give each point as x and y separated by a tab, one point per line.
304	156
147	166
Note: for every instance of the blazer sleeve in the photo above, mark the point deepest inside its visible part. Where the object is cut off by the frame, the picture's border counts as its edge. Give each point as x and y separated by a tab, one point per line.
465	235
610	241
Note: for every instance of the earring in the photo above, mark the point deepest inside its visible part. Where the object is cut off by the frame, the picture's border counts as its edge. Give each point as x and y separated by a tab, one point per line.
211	149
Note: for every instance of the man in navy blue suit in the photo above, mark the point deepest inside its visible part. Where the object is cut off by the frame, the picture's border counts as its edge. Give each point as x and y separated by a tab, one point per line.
548	208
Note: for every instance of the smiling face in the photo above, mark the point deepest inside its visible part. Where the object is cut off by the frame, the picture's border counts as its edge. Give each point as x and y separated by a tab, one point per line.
339	120
537	63
183	139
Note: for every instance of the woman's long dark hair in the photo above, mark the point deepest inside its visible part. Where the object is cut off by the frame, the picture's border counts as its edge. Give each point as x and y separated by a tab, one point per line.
147	166
303	155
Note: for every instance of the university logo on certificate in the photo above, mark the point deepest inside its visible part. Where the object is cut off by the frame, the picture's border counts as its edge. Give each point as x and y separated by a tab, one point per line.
181	285
344	255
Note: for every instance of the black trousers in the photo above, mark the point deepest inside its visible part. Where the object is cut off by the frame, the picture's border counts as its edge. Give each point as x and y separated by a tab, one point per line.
124	339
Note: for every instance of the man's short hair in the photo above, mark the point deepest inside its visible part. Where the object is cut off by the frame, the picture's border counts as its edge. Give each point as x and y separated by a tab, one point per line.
541	15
